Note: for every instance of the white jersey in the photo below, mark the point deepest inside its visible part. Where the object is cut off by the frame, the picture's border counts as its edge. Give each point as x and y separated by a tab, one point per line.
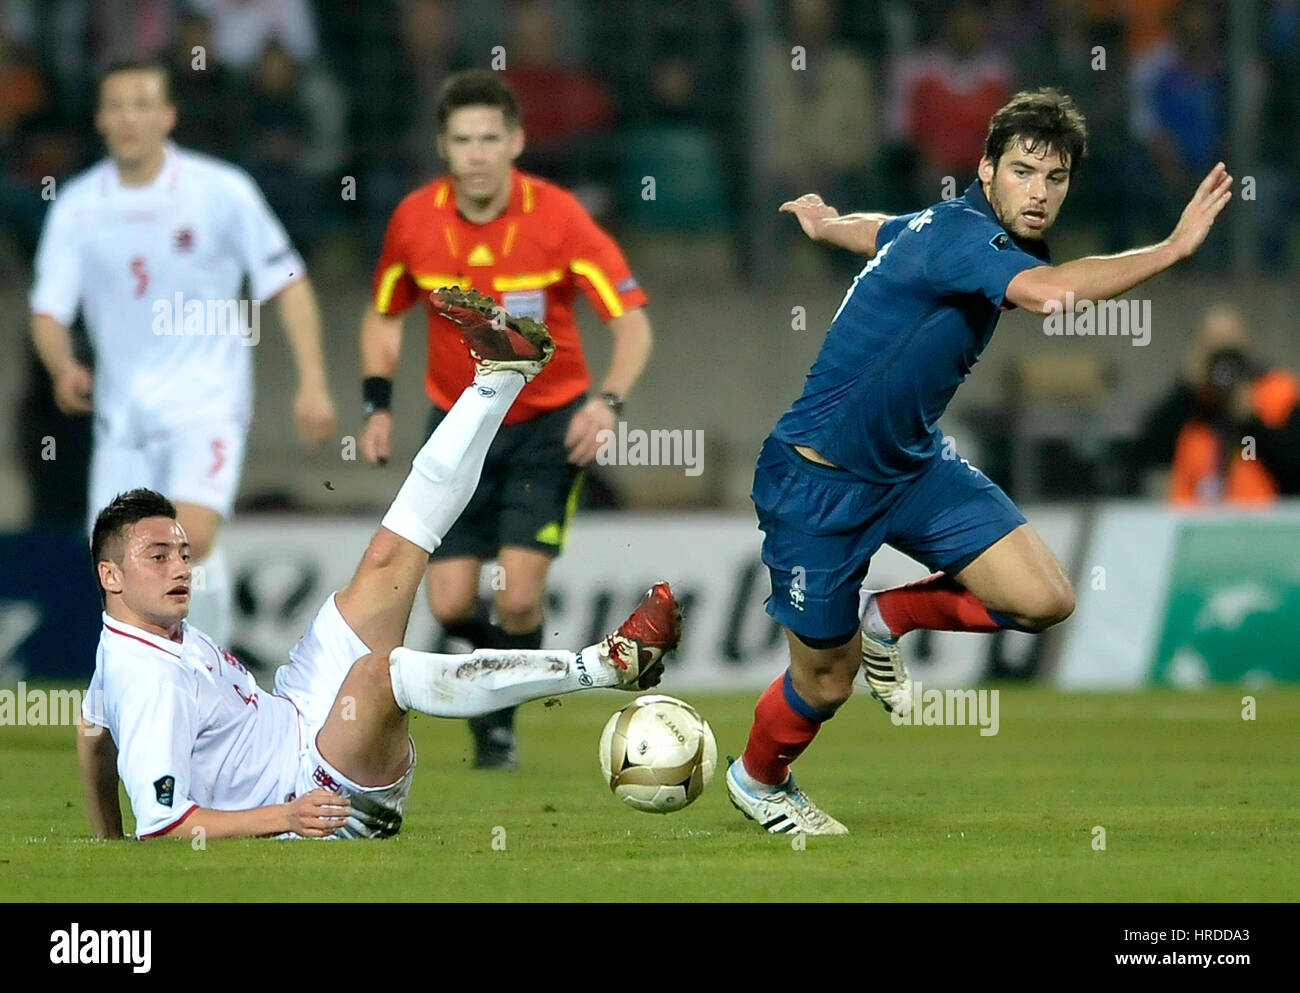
156	271
191	725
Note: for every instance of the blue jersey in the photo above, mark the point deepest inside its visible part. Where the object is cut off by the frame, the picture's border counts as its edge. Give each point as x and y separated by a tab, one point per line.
909	330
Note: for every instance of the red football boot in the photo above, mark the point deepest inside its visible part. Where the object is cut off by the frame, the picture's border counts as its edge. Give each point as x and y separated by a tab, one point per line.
638	647
497	340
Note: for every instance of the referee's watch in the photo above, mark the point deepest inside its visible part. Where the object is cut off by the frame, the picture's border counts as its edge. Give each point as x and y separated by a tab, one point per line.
614	402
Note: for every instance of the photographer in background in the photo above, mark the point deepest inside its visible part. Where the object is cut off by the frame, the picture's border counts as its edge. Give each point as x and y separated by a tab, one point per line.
1230	427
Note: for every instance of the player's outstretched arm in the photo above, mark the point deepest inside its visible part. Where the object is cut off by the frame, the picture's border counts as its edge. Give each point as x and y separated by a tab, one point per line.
1044	288
313	410
312	815
97	762
822	222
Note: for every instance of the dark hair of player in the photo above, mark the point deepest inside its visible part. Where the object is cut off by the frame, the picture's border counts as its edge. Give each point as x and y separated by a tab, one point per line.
1040	117
477	88
126	509
140	65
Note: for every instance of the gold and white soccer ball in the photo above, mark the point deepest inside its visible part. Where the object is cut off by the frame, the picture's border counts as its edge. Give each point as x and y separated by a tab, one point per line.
657	754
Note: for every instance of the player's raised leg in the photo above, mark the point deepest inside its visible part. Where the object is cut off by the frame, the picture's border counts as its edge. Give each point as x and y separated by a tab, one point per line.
1011	582
377	602
1018	577
365	735
991	572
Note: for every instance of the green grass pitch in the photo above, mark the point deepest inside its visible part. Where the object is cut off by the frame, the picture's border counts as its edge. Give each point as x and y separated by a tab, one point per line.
1196	804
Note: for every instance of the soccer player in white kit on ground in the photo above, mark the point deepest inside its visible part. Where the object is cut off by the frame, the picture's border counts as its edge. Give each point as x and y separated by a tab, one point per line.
151	244
200	746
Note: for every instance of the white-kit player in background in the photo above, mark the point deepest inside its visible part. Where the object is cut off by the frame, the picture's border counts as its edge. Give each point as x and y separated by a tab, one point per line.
200	746
152	244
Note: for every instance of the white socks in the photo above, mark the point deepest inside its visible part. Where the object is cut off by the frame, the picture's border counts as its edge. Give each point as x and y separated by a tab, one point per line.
490	679
210	597
445	472
872	621
752	786
444	475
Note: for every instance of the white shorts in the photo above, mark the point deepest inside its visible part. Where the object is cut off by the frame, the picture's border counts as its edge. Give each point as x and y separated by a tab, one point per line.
196	463
318	664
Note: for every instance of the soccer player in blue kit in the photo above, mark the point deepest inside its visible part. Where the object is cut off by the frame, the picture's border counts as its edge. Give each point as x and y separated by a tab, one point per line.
857	462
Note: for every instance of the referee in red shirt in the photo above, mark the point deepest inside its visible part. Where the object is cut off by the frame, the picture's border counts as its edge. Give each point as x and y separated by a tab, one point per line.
530	245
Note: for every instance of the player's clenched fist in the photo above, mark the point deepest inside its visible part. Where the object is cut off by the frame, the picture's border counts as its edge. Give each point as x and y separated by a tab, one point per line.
317	814
810	210
313	410
583	438
376	439
72	389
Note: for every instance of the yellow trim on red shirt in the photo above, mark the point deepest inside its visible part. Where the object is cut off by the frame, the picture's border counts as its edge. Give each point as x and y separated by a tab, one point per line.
437	280
440	197
387	283
527	188
604	288
527	280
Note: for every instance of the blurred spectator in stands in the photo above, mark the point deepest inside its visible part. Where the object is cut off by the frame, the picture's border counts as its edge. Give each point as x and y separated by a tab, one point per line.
669	138
941	99
567	112
124	30
1179	105
209	98
1230	427
1279	151
33	147
824	108
23	99
428	46
241	32
241	29
395	64
1082	50
57	36
22	92
276	139
1147	23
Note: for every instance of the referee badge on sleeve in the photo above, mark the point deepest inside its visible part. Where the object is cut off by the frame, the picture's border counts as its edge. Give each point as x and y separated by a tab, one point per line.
164	788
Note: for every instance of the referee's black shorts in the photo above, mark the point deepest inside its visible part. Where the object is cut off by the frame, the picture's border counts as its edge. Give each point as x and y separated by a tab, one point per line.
527	494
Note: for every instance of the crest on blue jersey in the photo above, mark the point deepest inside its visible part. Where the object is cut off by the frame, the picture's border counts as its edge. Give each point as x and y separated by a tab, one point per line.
1000	240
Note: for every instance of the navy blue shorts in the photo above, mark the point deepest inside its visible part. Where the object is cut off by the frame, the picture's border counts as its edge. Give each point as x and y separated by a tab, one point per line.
822	525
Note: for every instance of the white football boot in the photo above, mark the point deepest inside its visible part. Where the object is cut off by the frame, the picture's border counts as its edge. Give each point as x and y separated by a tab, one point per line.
786	810
886	674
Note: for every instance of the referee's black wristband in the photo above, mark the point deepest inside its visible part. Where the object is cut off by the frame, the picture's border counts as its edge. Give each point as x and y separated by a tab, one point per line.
376	394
